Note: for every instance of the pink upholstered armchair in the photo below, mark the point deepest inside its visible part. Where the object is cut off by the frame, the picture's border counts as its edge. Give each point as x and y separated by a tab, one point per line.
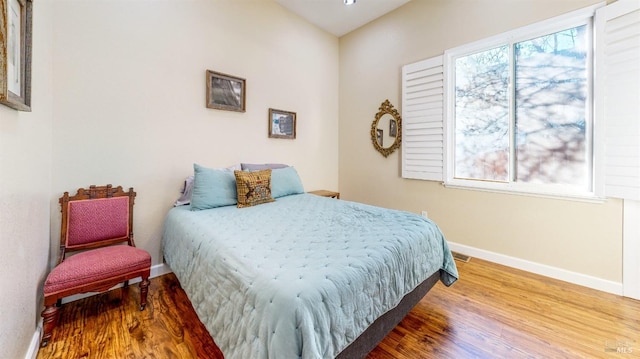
99	222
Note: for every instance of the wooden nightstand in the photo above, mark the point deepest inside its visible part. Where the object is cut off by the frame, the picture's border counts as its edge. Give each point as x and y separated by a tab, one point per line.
325	193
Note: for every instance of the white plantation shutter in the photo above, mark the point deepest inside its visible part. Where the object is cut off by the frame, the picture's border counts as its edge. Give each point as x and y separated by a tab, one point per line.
423	120
617	94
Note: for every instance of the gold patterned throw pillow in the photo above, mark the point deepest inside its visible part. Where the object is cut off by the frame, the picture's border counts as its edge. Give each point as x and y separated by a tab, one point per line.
253	187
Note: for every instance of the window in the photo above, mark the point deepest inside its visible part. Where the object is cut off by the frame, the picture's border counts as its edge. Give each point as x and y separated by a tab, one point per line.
519	111
524	112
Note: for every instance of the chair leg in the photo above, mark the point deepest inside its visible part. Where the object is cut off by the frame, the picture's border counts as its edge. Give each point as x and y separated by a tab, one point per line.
144	289
50	316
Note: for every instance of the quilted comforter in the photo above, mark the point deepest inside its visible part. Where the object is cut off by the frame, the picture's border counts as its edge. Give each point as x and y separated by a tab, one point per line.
301	277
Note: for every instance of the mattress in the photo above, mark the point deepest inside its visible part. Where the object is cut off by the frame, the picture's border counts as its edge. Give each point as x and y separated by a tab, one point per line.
300	277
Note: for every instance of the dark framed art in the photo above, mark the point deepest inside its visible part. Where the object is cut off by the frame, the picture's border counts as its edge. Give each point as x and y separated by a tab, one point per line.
282	124
15	58
393	128
226	92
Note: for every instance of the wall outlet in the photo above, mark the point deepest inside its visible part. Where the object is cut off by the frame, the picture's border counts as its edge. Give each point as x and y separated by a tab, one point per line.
424	214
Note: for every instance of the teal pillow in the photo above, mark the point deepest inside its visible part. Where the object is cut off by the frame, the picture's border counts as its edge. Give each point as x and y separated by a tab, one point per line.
212	188
285	181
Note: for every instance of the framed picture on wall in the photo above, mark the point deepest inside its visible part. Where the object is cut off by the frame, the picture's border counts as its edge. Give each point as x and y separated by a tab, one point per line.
226	92
282	124
379	136
15	58
393	128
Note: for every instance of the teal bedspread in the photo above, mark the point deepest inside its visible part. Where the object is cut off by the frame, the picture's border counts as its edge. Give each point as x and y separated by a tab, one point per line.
301	277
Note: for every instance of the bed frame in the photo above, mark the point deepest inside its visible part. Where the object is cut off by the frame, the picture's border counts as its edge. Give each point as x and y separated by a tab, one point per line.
382	326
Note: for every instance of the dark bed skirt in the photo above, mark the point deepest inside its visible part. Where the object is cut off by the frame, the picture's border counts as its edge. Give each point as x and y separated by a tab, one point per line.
373	335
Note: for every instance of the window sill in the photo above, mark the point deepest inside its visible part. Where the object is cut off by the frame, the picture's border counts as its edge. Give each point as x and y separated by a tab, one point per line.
488	187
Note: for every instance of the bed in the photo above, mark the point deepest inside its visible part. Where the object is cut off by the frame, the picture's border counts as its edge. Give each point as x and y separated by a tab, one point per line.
303	276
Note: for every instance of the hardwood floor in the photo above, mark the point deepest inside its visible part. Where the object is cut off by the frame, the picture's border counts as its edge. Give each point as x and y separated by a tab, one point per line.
491	312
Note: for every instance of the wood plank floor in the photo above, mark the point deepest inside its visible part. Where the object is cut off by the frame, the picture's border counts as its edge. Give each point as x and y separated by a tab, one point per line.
491	312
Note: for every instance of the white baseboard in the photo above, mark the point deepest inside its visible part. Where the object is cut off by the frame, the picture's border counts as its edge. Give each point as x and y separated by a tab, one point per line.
541	269
160	269
32	353
156	271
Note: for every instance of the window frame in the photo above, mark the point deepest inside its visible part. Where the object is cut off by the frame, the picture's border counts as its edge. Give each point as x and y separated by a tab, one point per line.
580	17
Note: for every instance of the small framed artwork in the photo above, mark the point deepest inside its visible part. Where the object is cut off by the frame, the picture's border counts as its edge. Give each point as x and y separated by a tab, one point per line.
15	58
226	92
282	124
393	128
379	136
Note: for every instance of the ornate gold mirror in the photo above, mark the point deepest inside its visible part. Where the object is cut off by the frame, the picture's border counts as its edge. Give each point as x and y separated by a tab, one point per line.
386	129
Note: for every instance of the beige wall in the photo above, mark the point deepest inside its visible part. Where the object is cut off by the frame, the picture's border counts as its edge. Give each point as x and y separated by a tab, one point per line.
130	97
580	237
118	97
25	187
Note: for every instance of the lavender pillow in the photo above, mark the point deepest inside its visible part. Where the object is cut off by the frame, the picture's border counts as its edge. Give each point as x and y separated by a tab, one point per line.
185	197
263	166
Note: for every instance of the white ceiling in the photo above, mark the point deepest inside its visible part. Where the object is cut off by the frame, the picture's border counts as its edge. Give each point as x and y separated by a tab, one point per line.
336	17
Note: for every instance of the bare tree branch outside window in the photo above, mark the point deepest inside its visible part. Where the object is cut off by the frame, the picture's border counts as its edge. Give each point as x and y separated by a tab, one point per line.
549	121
